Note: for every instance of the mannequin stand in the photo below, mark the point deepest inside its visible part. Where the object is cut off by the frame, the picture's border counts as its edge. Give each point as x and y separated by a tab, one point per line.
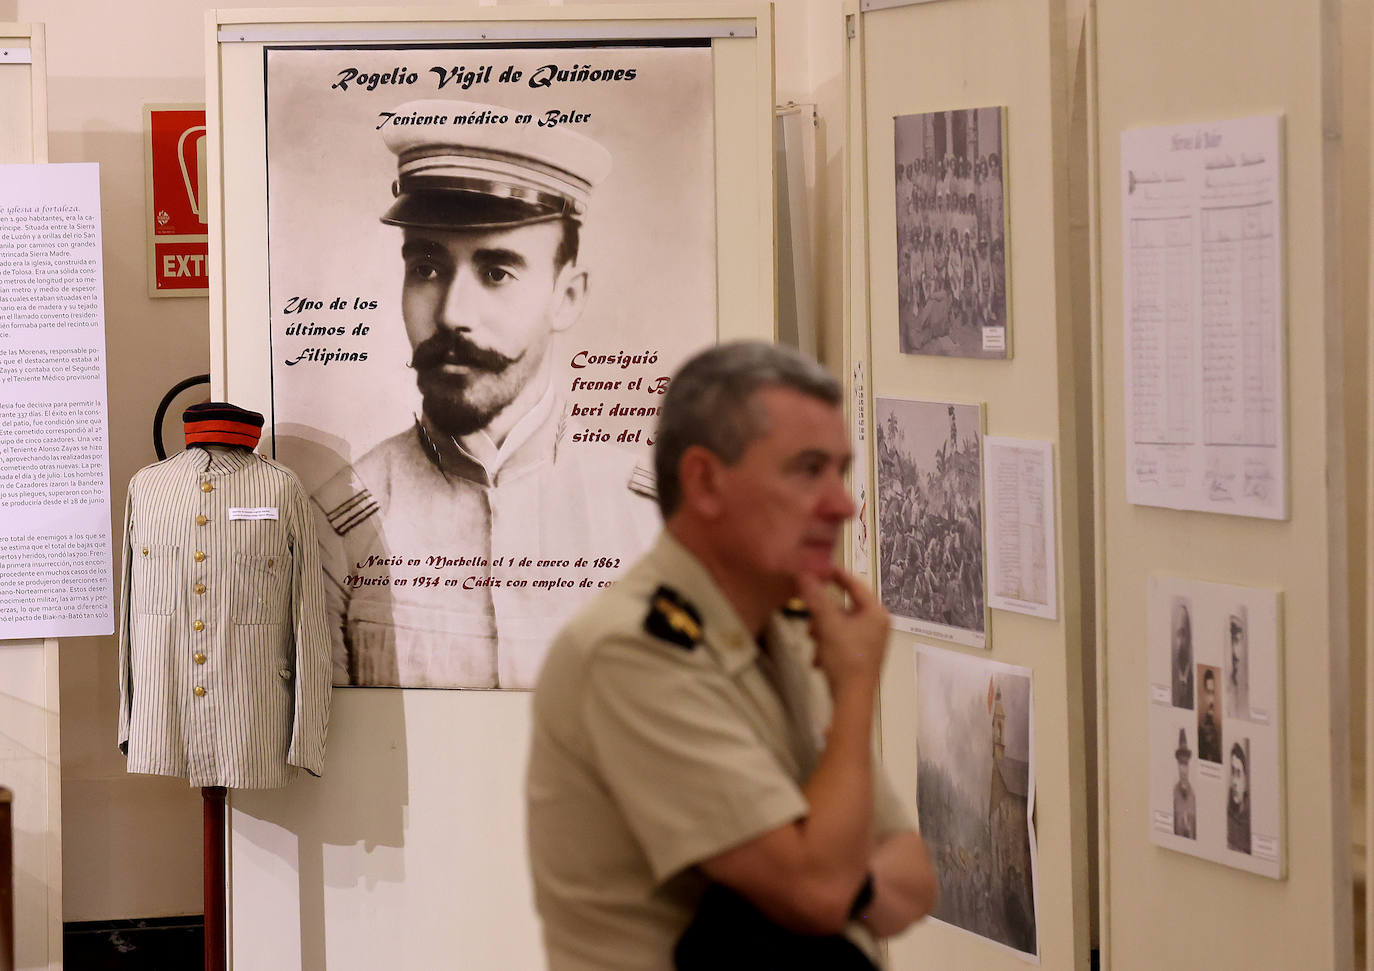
214	806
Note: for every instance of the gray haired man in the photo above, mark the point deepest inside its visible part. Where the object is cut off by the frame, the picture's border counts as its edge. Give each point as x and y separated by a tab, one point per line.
679	717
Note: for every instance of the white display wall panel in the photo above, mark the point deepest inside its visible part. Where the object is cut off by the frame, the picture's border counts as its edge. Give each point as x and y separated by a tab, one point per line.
918	59
410	851
30	750
1162	908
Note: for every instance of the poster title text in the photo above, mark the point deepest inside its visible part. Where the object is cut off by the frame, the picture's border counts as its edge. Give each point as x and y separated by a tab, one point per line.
463	77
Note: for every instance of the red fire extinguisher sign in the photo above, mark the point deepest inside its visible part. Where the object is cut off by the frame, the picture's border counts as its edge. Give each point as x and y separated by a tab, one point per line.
175	163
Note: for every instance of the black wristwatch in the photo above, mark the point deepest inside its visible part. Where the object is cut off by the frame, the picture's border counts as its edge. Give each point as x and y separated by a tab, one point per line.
862	899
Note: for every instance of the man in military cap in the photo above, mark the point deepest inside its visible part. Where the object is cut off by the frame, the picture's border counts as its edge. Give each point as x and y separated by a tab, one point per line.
490	475
681	766
1185	799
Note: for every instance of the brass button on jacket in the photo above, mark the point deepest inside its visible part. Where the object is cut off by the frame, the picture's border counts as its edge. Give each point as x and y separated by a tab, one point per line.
200	659
198	625
201	520
198	691
198	556
199	588
206	487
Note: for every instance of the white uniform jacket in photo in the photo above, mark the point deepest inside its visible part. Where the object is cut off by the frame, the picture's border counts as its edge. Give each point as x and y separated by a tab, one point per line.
223	650
548	497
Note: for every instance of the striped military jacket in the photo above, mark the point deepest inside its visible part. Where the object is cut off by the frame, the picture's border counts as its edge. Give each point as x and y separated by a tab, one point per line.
224	669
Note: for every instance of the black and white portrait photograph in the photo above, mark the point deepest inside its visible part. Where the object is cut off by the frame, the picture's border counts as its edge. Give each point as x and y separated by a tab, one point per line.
930	518
1208	713
1185	796
975	793
1216	765
1236	684
951	233
483	264
1238	797
1181	652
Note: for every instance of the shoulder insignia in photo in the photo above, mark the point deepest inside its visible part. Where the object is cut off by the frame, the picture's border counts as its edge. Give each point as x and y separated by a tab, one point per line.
673	619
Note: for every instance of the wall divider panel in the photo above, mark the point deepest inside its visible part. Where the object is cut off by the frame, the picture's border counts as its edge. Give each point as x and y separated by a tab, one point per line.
30	749
410	850
914	59
1365	918
1188	64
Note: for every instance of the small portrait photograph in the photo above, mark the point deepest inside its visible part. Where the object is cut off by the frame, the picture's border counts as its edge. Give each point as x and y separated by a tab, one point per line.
1181	652
951	233
1208	713
930	518
1238	797
1185	797
1236	684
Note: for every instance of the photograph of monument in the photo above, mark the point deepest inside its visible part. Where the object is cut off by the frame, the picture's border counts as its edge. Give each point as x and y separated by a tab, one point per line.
975	793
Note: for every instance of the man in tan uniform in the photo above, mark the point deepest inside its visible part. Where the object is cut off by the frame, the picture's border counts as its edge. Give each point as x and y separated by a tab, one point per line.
678	719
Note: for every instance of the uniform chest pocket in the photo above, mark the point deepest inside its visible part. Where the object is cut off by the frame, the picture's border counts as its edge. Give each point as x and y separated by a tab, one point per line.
156	578
262	588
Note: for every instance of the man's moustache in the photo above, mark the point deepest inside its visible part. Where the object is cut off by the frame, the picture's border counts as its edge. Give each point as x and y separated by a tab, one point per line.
451	347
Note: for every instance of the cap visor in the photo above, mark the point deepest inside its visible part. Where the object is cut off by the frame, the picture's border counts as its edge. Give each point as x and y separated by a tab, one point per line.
453	209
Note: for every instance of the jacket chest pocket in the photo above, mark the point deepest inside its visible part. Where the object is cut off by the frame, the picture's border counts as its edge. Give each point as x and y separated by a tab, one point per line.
156	578
262	593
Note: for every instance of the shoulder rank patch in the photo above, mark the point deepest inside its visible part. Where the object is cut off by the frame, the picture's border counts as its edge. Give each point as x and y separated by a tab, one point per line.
354	510
796	609
345	501
673	619
643	482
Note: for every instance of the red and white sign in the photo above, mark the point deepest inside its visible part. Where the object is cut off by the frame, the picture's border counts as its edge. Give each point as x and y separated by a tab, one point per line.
175	157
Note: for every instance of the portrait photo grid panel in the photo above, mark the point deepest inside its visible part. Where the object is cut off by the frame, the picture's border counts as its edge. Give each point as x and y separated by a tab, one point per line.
1215	728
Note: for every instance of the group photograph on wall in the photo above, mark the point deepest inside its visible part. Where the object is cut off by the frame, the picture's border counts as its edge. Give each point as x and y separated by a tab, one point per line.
951	233
930	518
975	793
484	264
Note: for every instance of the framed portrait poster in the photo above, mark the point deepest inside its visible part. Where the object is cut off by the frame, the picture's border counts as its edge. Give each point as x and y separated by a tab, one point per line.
484	262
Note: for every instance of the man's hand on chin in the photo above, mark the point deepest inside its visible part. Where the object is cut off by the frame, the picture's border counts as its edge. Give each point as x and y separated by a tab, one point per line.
851	638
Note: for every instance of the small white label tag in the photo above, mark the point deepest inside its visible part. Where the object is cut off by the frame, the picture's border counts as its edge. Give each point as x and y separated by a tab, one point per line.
1164	821
1265	847
255	512
1159	694
994	338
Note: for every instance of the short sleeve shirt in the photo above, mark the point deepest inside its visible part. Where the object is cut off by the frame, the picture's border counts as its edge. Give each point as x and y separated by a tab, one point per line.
650	755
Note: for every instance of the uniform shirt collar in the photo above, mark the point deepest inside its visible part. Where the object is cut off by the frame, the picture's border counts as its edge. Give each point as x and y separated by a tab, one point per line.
219	459
480	446
476	456
723	632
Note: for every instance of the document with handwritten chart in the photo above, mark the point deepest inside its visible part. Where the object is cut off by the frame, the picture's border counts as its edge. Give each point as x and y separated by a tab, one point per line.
1202	254
1018	483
